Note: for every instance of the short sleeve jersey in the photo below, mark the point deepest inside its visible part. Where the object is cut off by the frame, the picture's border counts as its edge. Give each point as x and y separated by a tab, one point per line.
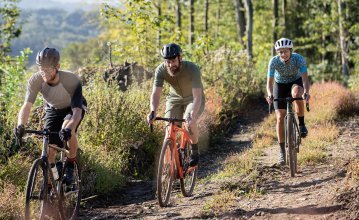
182	84
287	72
67	93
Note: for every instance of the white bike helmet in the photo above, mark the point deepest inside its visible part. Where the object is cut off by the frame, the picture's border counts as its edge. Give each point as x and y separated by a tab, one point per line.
283	43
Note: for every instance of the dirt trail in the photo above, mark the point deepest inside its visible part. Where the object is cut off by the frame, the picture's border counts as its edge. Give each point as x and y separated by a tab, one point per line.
310	195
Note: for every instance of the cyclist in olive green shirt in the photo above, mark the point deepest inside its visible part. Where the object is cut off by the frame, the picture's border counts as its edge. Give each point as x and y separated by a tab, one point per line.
186	97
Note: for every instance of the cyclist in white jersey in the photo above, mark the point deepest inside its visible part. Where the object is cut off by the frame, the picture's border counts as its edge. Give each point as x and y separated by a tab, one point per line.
287	76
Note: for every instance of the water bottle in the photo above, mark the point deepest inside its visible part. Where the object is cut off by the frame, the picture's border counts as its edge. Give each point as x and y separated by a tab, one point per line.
54	171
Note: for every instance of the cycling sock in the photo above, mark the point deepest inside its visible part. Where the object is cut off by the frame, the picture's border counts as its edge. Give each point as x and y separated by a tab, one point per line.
194	147
301	120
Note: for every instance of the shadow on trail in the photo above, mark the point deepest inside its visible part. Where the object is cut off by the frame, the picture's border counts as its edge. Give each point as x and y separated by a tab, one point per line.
272	185
305	210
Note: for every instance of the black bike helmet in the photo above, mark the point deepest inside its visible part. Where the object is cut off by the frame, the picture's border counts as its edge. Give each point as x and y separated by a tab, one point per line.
48	57
170	51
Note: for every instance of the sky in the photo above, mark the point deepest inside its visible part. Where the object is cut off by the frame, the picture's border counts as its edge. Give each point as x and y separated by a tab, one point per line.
65	4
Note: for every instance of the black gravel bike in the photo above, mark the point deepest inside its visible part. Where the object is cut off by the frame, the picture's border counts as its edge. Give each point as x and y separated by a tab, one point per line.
292	134
47	197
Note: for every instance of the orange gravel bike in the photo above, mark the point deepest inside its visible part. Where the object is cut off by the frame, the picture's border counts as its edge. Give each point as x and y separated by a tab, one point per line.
174	162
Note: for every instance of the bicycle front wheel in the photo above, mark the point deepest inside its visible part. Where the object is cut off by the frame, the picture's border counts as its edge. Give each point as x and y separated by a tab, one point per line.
190	173
165	173
36	191
70	194
292	152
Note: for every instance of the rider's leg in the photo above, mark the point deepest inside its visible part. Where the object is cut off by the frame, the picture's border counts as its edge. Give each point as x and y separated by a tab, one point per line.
280	113
73	146
194	133
281	90
297	91
72	143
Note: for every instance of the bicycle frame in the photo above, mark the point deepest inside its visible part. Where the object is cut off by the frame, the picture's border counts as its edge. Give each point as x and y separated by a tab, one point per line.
291	114
44	153
172	132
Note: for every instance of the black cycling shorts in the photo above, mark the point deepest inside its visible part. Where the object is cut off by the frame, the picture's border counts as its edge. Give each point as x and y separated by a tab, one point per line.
284	90
54	118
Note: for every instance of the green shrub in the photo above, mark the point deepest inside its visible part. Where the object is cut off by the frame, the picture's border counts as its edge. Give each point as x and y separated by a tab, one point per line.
114	135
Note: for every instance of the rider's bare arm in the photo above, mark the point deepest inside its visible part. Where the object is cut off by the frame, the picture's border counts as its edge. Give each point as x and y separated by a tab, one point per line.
197	97
155	98
305	82
24	113
269	87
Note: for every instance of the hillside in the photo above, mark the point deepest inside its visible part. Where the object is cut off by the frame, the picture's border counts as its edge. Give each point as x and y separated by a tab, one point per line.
54	28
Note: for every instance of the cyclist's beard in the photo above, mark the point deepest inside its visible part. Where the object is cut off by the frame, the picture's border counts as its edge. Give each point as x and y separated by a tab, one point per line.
174	70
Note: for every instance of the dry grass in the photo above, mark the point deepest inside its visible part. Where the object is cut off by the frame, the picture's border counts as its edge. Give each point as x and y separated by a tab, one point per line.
11	202
330	101
353	171
220	203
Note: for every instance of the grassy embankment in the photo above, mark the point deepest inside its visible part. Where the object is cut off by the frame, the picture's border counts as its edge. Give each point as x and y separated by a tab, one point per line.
240	173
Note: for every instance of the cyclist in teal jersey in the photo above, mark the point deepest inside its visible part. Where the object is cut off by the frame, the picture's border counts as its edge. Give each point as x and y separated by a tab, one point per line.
287	76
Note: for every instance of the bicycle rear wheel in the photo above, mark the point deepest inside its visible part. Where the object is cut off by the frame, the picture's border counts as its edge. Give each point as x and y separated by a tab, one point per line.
190	173
292	152
70	195
36	197
165	173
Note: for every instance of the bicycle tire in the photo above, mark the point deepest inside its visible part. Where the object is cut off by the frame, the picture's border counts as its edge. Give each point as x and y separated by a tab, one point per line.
36	197
295	145
70	196
165	173
292	152
188	182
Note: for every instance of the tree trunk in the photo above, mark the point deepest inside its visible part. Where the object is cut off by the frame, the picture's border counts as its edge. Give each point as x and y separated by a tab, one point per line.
343	42
274	24
206	8
241	21
249	8
284	11
178	12
218	18
191	22
159	14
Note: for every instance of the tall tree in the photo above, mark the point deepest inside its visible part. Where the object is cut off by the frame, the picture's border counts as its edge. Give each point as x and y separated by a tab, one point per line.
343	42
284	11
249	9
178	14
191	22
206	8
159	14
9	29
241	21
218	18
275	23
